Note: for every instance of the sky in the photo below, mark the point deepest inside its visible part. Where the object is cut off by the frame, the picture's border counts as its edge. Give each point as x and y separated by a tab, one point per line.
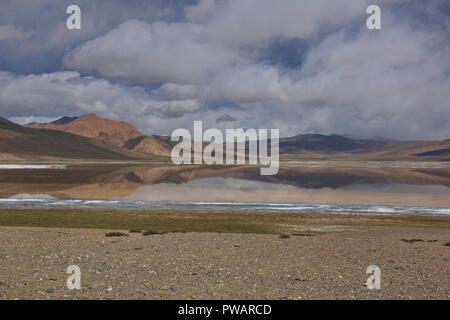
297	65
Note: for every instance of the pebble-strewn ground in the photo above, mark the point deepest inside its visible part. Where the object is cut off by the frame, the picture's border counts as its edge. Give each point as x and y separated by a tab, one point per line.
33	264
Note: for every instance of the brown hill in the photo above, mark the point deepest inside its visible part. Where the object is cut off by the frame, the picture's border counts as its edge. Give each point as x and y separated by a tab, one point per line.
154	145
17	142
119	133
93	126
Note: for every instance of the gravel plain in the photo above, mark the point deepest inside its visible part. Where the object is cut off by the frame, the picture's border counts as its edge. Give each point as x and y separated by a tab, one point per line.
33	263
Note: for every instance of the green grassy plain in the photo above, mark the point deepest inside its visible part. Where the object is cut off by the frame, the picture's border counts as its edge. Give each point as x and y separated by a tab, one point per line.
163	221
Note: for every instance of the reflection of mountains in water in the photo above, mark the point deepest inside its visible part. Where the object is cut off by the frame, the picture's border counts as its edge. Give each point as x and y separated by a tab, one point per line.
333	176
300	177
293	184
113	181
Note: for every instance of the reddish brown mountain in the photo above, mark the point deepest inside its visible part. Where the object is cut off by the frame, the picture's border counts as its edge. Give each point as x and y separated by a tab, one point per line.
119	133
20	143
93	126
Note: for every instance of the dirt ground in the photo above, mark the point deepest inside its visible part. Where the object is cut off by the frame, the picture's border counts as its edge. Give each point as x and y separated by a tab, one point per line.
414	264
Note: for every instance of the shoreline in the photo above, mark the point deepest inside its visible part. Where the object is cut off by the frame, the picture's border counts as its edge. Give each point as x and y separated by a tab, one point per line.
46	202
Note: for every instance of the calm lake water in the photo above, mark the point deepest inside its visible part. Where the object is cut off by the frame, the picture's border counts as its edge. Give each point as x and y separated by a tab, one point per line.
318	186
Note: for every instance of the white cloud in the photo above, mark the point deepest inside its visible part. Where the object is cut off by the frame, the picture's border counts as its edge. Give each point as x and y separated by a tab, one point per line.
69	93
249	83
347	79
178	56
173	91
158	52
30	119
9	32
390	83
178	108
251	21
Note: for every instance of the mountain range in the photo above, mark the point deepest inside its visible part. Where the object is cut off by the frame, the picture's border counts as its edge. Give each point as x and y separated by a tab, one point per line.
119	133
93	137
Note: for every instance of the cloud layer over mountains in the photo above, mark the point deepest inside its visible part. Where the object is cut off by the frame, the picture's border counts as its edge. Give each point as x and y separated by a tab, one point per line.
301	66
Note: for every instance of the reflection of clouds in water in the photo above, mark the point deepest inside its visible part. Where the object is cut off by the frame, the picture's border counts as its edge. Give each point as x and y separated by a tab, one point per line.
403	188
365	164
32	196
242	184
239	184
223	206
31	166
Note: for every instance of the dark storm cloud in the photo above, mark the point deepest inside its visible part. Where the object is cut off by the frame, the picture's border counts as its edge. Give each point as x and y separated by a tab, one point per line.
225	118
301	66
